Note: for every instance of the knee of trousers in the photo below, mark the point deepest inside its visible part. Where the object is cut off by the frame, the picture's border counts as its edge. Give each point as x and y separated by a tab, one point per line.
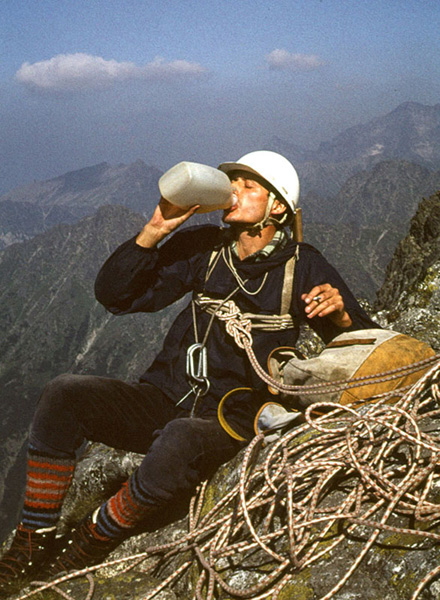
54	416
183	453
181	440
63	388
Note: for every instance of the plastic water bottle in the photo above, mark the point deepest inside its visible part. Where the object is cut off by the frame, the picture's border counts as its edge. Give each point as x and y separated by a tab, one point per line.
189	183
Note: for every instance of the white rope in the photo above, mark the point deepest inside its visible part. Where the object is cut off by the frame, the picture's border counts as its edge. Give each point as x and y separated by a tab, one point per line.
257	321
356	449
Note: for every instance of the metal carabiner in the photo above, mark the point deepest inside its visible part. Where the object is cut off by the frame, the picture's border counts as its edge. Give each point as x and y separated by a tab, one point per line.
197	363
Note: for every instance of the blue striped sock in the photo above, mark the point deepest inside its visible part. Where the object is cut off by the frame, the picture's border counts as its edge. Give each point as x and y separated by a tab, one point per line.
48	479
124	510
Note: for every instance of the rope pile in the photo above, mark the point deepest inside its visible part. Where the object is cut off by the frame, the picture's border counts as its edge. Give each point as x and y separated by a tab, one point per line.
342	475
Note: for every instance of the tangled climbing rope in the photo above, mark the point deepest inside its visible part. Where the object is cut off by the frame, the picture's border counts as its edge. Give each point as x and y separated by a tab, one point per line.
344	474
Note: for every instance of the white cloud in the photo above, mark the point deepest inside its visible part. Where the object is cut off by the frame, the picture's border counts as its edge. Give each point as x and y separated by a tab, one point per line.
71	72
282	60
160	69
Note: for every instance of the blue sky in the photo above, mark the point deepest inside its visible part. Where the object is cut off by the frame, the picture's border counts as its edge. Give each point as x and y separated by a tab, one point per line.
87	81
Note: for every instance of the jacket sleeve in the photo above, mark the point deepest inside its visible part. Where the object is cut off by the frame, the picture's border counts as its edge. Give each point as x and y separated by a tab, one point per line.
313	269
137	279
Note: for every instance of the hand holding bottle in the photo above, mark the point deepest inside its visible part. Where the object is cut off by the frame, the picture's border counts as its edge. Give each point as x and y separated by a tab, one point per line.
166	218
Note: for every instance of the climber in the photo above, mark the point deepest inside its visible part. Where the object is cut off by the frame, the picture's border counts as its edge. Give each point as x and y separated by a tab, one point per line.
170	415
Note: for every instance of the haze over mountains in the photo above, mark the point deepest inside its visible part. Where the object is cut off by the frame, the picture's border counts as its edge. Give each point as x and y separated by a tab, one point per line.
359	192
36	207
410	133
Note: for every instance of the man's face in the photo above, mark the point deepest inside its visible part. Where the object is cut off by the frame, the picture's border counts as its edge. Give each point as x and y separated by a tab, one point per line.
251	202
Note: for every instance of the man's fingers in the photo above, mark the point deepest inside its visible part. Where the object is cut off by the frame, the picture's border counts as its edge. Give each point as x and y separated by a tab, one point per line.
323	300
317	294
321	308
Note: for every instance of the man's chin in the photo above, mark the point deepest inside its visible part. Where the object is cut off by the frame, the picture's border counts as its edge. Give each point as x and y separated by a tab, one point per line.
229	220
237	228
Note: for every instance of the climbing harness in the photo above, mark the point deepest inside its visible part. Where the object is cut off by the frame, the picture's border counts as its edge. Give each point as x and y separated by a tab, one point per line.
226	310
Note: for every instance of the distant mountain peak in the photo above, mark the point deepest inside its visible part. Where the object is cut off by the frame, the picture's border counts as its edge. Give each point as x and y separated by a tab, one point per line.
38	206
409	132
415	107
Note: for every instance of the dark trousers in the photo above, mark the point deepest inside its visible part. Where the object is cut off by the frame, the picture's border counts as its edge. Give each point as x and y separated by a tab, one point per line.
179	451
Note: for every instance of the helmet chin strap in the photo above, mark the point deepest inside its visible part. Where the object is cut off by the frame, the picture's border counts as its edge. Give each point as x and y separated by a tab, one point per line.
267	219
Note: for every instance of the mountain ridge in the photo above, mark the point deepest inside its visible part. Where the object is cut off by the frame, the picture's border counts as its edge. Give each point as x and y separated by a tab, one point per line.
50	323
38	206
409	132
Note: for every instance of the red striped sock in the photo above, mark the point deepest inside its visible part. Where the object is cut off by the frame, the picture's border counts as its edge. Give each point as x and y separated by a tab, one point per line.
48	479
124	510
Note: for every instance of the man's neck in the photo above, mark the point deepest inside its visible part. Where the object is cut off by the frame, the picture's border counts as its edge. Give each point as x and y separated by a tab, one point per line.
249	242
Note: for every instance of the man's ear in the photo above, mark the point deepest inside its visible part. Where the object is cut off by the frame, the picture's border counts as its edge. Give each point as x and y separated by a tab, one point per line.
278	208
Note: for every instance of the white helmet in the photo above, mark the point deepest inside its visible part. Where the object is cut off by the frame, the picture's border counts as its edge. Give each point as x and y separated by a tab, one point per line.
273	168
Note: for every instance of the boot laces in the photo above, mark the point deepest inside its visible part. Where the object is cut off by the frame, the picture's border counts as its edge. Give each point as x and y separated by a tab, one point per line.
26	546
85	548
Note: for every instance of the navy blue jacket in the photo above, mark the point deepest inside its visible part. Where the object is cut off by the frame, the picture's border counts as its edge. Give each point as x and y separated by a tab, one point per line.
136	279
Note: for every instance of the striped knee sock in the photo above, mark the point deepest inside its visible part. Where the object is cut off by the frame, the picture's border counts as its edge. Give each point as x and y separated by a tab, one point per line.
48	479
124	510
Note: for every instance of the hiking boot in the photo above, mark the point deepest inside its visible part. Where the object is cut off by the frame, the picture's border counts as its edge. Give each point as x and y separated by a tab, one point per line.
82	547
29	552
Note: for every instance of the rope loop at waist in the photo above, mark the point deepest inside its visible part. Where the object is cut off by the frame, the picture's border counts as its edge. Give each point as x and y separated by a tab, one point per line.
228	311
